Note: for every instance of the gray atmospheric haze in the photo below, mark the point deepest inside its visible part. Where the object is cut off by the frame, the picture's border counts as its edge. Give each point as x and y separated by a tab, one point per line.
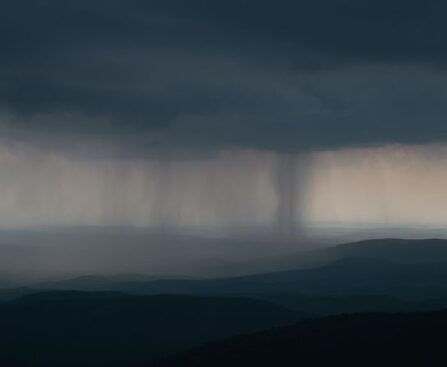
160	137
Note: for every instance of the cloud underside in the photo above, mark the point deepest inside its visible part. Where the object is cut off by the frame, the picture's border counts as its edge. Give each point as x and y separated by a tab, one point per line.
169	75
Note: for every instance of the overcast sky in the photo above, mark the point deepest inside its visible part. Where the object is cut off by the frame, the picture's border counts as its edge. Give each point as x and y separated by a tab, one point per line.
85	84
199	75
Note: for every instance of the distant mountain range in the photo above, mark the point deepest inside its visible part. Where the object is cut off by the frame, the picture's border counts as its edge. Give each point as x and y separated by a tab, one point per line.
389	249
57	253
410	269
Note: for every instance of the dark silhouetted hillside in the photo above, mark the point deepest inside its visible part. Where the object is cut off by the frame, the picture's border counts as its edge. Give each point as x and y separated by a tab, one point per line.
108	329
349	340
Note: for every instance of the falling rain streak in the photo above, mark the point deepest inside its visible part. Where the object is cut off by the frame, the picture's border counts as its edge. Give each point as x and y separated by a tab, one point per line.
226	193
231	191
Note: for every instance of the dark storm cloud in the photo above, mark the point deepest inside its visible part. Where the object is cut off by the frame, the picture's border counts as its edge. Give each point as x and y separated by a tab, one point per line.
285	75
